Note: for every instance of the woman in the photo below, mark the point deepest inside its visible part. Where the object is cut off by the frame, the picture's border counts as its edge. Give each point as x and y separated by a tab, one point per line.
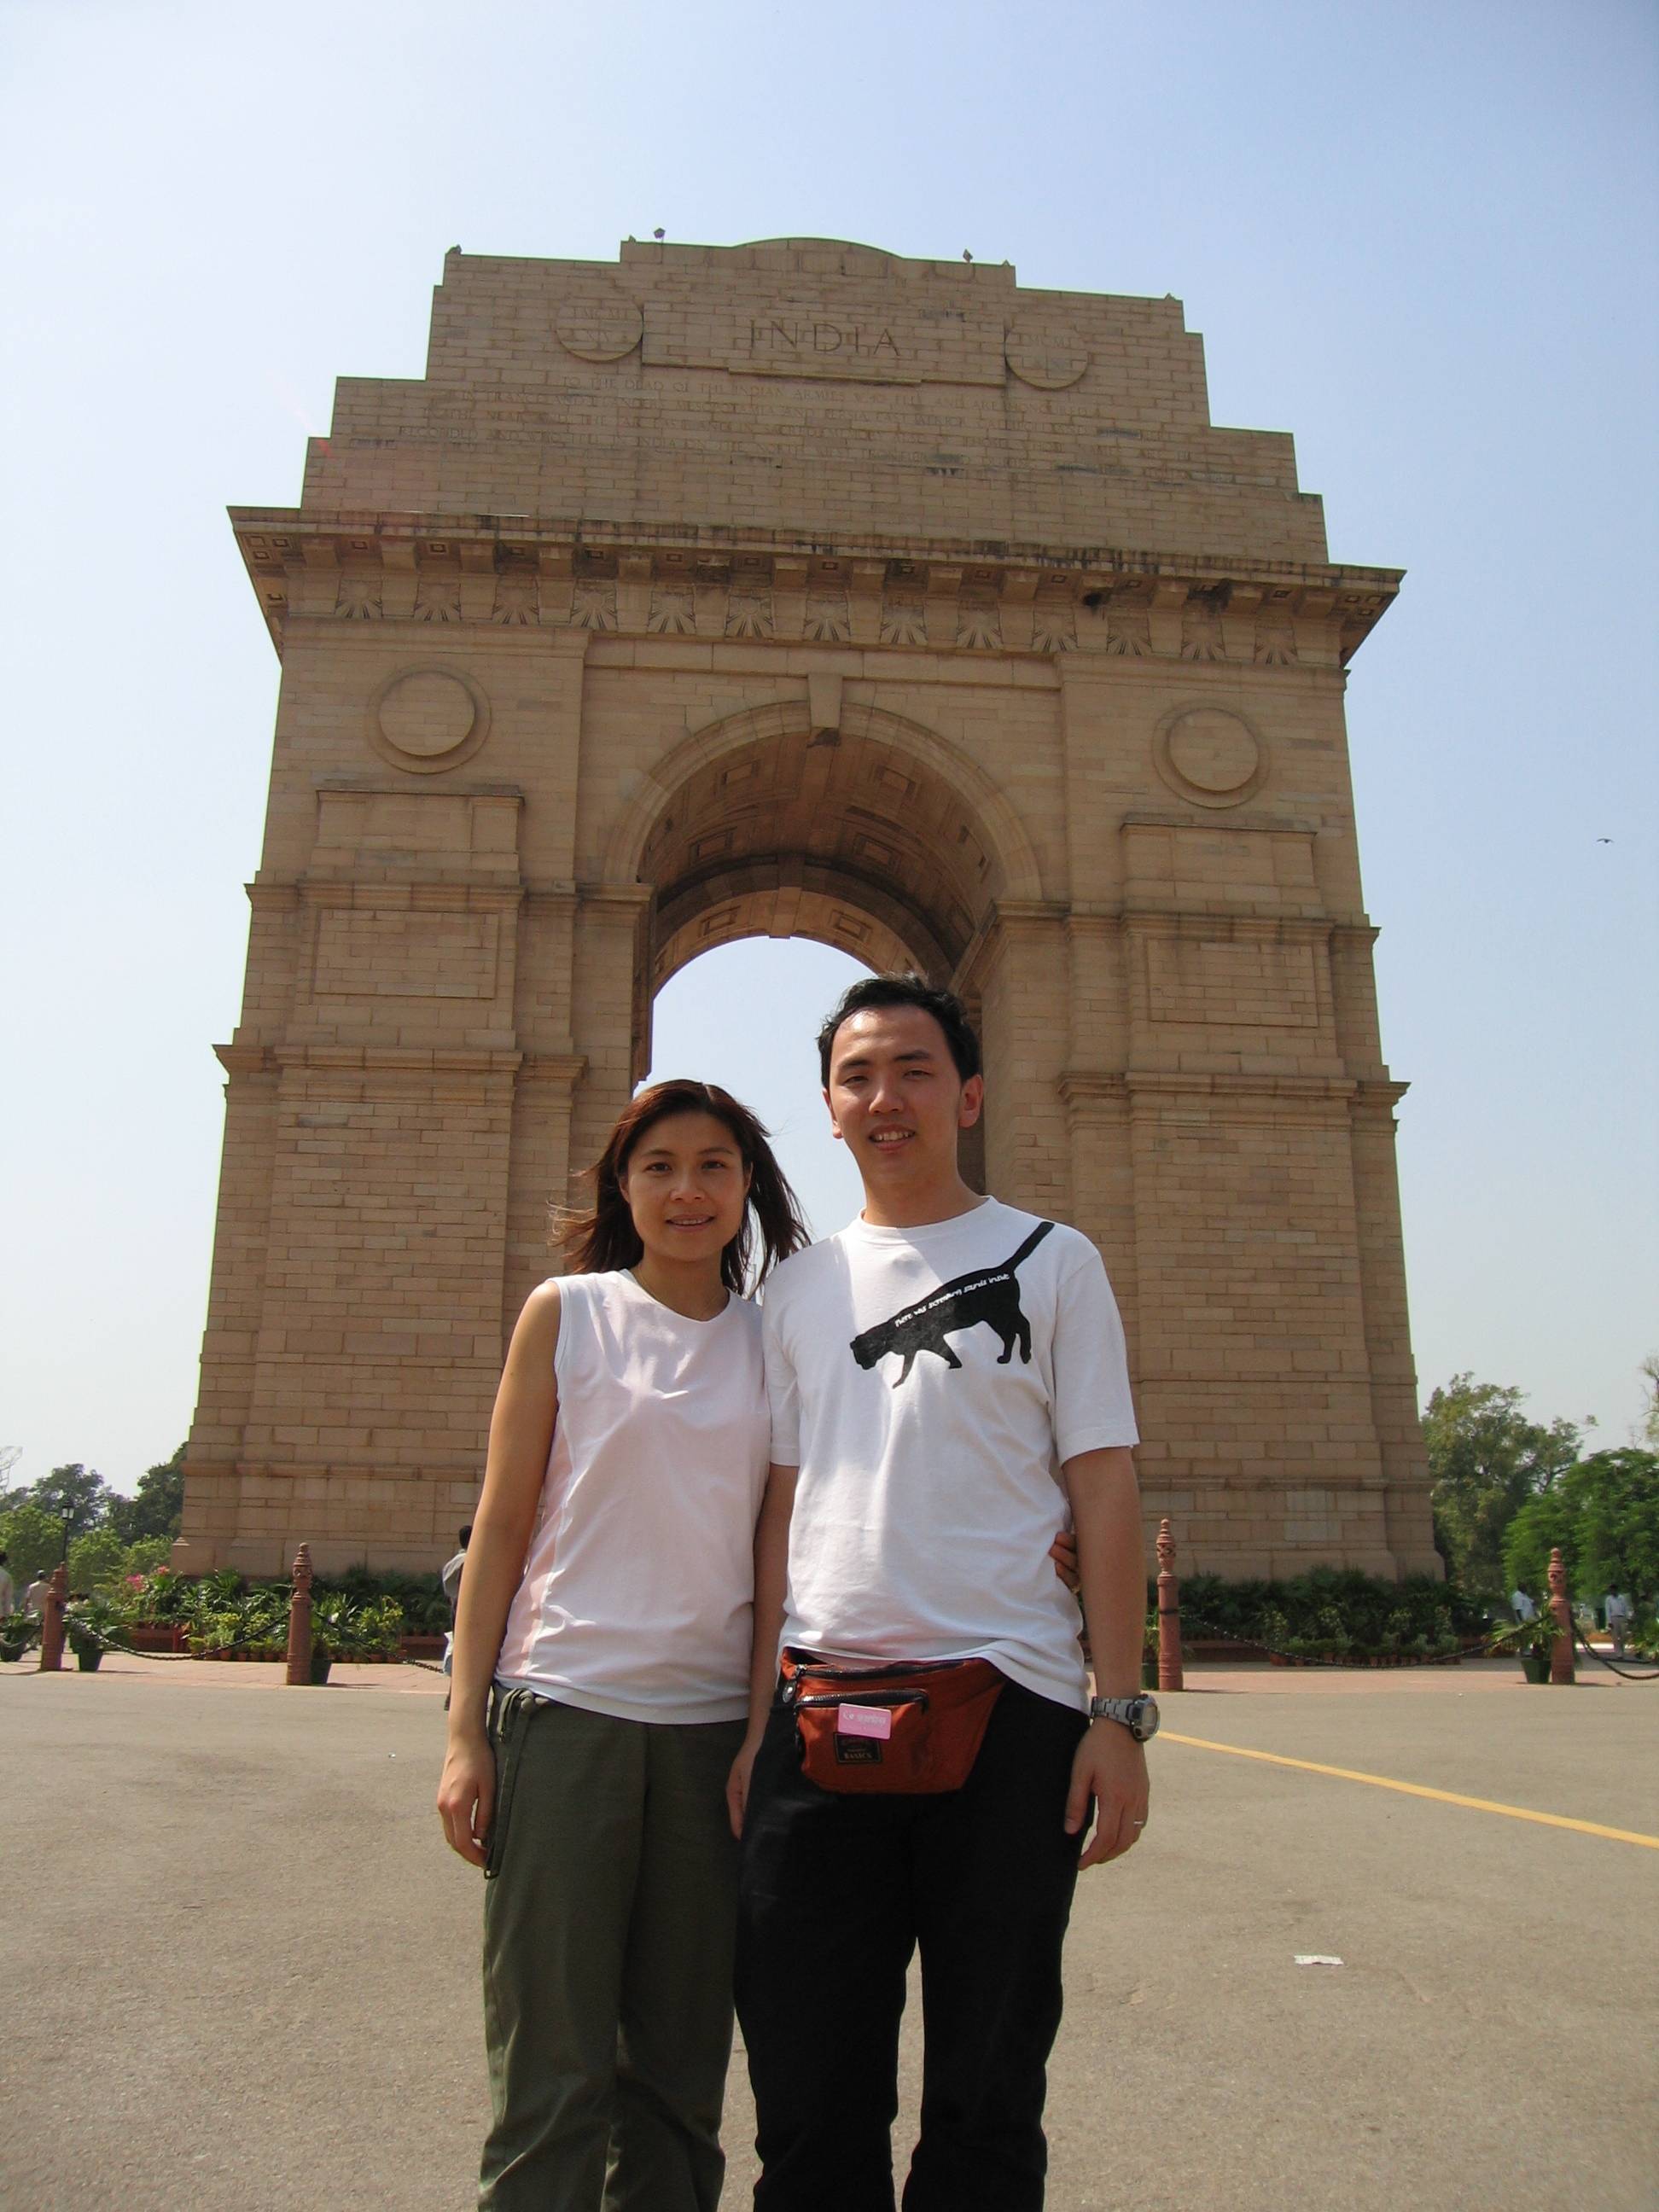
601	1668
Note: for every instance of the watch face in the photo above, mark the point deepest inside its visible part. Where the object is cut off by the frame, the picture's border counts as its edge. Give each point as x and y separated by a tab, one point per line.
1146	1720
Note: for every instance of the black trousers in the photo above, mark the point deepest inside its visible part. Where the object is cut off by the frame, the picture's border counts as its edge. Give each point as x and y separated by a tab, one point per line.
836	1894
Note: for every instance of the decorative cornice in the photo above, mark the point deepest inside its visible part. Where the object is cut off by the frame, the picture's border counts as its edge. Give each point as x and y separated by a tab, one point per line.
1083	1087
382	786
386	890
575	577
1004	918
1316	1089
392	1060
628	900
239	1059
1375	1096
1080	1089
566	1069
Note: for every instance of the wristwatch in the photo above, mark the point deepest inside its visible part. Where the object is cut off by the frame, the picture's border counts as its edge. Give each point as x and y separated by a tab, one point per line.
1138	1715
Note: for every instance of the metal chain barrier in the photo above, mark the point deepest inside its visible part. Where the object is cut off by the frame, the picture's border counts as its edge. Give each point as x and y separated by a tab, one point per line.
83	1628
1612	1665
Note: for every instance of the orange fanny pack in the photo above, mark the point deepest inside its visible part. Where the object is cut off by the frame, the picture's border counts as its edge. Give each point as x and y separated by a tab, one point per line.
914	1728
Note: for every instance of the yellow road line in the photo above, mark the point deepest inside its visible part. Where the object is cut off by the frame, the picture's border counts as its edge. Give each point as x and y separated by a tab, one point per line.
1417	1790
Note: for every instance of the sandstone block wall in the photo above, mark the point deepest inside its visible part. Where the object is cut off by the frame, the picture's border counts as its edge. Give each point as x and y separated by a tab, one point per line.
798	589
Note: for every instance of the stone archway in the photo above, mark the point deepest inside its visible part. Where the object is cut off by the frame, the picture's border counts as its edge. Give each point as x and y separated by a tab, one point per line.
797	588
827	817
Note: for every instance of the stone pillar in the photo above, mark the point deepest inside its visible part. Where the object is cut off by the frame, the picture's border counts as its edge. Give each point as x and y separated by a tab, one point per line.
1020	975
1560	1606
299	1621
1405	1464
52	1621
610	1020
1169	1673
1096	1103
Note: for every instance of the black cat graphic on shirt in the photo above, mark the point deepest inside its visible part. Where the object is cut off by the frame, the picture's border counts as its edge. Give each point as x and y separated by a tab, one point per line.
988	1294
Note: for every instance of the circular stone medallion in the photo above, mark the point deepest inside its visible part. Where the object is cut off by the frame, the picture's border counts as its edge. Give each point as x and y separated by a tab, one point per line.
1210	757
427	719
599	330
1049	358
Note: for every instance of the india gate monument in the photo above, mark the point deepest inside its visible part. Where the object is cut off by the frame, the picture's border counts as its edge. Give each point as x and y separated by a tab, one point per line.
797	589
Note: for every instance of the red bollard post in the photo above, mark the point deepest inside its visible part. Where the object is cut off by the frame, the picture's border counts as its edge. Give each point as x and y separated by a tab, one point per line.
299	1620
1561	1665
52	1621
1170	1675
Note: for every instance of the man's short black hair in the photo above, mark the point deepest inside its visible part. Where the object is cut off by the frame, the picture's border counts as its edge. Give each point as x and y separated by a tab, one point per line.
946	1009
465	1536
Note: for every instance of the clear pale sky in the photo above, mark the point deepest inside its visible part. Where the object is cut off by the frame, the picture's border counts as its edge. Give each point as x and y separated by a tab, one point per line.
1421	239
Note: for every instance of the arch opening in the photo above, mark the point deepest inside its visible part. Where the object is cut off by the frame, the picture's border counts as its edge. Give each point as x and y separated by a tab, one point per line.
870	835
746	1016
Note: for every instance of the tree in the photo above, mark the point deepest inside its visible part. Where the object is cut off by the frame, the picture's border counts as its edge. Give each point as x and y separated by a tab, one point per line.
1650	1412
9	1455
1545	1522
33	1540
76	1495
1619	1522
97	1558
1486	1460
1604	1514
156	1507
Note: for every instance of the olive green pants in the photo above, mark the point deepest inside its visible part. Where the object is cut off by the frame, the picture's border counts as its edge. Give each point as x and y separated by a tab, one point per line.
610	1909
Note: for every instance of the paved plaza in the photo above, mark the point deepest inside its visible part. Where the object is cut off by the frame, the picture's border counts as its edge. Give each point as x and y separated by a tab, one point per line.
241	1967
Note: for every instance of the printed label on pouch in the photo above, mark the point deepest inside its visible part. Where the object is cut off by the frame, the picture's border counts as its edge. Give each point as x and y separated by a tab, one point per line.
864	1720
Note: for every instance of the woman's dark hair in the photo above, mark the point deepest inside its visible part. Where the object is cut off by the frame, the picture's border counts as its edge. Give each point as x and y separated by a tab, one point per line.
946	1009
596	1242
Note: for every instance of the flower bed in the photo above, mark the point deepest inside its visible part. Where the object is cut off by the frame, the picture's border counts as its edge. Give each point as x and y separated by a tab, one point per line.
156	1636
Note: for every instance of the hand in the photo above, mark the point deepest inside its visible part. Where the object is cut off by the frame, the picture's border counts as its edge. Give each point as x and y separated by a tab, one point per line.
1110	1767
737	1784
466	1796
1063	1553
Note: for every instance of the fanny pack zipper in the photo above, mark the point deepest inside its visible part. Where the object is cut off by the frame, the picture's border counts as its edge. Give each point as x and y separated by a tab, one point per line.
871	1697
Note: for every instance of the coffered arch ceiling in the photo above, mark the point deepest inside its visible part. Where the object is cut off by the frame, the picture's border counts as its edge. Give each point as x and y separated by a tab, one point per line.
873	836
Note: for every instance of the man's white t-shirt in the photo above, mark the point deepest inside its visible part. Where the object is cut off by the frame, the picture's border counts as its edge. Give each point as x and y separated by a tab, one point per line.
928	1382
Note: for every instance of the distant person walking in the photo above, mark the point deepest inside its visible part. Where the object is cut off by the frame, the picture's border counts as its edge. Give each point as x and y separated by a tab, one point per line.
1619	1611
1521	1606
35	1596
8	1588
451	1578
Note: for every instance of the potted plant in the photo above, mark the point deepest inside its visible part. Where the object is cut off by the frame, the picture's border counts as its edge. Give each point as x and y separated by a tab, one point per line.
1532	1642
19	1632
91	1628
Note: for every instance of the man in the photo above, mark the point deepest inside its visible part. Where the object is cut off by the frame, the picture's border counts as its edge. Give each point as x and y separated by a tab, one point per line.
936	1372
7	1589
1619	1613
35	1596
1521	1606
450	1579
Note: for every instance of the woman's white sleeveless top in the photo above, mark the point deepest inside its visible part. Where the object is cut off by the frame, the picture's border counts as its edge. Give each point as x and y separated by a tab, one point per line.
638	1591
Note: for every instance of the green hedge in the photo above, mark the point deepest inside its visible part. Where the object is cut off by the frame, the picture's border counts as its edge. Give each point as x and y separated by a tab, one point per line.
1332	1612
357	1616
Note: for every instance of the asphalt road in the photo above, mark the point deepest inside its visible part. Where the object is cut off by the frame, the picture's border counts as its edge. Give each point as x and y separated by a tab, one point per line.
242	1969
